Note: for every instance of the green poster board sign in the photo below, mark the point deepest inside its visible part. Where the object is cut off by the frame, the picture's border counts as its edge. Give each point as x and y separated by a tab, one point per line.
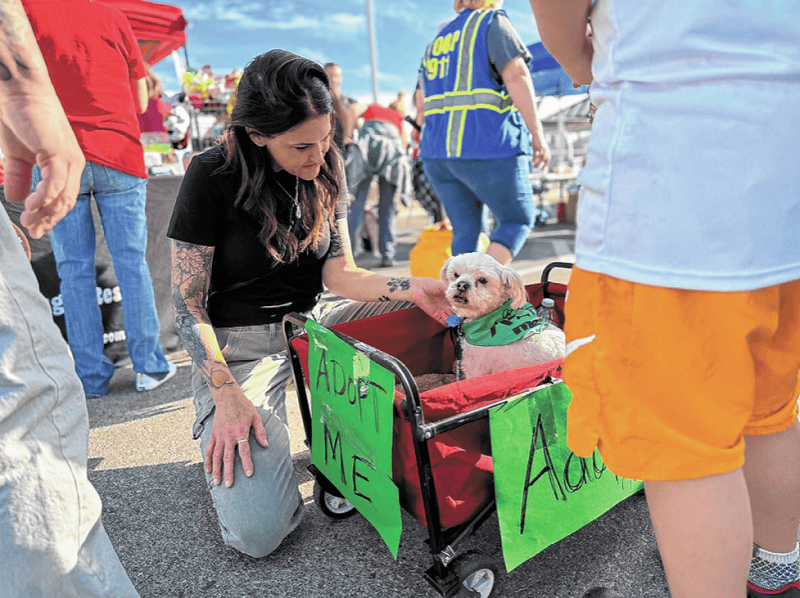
351	409
544	491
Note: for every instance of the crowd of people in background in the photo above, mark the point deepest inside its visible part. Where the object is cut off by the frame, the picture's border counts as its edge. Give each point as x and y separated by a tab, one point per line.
389	163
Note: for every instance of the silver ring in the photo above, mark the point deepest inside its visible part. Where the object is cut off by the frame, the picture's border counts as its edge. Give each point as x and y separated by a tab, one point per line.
241	441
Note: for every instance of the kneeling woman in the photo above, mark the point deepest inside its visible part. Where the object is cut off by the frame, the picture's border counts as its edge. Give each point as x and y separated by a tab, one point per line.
260	223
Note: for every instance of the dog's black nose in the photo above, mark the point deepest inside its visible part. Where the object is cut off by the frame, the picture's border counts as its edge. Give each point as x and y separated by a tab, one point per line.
462	285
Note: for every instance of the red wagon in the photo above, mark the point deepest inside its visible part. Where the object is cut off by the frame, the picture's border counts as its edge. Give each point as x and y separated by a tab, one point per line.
441	454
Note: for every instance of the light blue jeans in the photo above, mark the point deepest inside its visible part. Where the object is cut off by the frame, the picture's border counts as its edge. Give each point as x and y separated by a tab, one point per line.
52	540
120	200
256	513
502	184
387	214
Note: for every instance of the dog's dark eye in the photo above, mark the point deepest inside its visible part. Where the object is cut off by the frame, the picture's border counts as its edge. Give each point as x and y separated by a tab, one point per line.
456	274
482	280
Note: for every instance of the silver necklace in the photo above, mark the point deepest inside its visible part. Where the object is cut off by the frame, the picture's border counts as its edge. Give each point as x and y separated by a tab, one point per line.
297	212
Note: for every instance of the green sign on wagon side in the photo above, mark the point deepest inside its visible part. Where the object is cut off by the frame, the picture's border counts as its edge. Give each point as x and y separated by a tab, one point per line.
544	491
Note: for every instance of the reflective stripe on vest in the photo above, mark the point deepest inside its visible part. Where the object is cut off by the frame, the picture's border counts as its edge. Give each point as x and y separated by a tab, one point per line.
463	98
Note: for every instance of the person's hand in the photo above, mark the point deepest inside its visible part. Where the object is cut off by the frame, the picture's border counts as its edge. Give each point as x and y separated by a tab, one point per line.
541	153
35	130
234	416
429	295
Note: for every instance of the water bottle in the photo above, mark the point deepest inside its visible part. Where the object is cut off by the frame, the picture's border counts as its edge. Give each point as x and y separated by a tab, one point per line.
547	311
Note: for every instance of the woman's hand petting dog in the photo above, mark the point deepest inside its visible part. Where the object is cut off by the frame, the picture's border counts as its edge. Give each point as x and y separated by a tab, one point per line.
430	297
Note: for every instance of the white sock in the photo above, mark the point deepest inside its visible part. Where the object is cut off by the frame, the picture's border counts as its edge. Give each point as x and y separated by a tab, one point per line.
774	570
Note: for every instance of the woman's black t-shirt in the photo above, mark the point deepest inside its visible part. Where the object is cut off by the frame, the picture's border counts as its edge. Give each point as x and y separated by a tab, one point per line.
247	286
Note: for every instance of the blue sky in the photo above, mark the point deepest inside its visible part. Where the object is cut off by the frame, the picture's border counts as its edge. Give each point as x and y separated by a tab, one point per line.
227	33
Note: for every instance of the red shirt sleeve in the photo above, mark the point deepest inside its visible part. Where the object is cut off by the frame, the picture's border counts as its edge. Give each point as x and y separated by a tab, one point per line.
132	51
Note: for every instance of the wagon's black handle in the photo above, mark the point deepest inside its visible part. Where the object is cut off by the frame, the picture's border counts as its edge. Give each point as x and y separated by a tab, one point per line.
552	266
557	294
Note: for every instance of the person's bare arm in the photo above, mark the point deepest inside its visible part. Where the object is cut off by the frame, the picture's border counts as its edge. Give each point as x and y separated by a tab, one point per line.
355	112
404	135
142	95
34	128
517	79
565	31
419	102
235	414
344	278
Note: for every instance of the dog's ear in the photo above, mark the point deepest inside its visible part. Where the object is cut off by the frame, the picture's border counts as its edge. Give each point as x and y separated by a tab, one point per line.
515	286
444	270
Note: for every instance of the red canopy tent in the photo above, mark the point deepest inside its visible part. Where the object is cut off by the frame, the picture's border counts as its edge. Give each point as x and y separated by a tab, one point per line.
160	28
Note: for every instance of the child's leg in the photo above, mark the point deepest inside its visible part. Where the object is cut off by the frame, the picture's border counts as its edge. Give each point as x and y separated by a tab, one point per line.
704	534
772	471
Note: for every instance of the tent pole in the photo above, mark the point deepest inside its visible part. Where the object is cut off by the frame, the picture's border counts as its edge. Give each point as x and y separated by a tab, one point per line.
180	66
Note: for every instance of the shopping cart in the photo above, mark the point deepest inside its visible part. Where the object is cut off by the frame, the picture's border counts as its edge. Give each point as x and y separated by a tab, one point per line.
442	461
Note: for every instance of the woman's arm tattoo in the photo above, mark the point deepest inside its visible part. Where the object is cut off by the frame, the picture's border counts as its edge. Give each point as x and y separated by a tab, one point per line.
191	274
191	271
397	283
17	40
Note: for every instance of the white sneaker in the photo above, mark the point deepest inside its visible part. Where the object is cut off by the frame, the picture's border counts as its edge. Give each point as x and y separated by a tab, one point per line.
145	382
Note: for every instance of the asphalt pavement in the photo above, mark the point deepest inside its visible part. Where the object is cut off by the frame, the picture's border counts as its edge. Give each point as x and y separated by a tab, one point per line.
160	518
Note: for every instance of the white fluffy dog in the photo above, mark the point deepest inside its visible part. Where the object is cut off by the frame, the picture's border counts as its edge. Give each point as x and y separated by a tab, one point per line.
500	327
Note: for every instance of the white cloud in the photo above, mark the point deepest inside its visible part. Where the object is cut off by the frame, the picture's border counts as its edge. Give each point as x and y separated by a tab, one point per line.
281	17
255	20
312	54
395	81
344	23
414	18
365	70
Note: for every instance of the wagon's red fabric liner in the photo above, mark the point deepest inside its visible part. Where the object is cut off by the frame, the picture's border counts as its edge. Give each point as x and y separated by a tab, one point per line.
461	459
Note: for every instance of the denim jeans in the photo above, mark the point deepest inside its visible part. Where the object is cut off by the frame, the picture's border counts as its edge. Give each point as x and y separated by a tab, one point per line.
387	215
52	539
120	200
255	514
502	184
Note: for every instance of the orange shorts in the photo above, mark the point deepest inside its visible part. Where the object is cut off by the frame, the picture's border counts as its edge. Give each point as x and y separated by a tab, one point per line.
672	380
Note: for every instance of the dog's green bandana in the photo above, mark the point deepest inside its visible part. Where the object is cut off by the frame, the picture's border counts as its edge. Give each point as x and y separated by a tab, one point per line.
503	326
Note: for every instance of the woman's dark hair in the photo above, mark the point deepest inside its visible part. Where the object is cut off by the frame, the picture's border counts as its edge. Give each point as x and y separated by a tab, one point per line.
278	91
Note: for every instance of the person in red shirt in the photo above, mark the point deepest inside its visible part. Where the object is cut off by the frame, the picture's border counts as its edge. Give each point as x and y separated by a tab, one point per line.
99	75
381	150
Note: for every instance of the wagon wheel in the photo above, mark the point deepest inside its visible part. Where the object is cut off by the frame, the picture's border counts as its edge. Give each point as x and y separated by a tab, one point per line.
476	574
333	506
